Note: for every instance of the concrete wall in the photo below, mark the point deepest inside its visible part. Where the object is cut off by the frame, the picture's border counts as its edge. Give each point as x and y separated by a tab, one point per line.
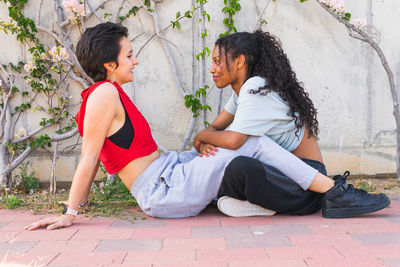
344	76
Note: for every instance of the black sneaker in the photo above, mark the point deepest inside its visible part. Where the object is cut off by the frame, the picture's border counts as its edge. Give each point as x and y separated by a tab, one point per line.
343	200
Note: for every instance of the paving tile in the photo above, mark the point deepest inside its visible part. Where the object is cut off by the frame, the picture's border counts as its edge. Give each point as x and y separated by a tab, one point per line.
394	208
392	218
269	263
9	236
221	231
8	212
193	221
165	232
138	223
378	238
371	218
210	239
355	228
368	251
16	247
292	219
392	262
344	262
14	226
190	264
28	259
100	219
161	256
281	229
260	241
65	246
23	216
129	245
88	259
318	219
43	234
130	264
322	240
231	254
193	243
2	224
295	253
262	220
91	223
103	234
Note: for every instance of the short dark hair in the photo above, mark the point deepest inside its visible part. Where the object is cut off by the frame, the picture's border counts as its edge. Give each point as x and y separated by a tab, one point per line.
99	45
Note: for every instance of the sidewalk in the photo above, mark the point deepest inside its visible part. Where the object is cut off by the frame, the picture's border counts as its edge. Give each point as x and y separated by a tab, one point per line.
210	239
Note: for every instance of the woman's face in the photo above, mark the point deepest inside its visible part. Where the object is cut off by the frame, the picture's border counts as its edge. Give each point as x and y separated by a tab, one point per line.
219	70
126	63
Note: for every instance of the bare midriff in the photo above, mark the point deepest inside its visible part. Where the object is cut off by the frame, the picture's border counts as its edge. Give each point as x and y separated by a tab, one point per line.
308	148
132	171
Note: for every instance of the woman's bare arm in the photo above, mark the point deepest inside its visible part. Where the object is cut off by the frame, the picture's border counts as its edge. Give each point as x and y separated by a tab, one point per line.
216	135
101	109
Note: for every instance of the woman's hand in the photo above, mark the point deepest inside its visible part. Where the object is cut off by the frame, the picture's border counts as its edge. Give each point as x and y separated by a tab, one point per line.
52	223
197	143
207	149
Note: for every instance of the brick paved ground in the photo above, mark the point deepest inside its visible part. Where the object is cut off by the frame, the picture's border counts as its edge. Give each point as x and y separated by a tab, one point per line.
210	239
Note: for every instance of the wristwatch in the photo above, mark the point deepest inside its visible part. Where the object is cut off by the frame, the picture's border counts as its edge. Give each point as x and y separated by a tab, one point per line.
70	211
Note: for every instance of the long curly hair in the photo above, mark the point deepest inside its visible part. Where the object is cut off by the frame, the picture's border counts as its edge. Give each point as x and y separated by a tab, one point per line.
265	58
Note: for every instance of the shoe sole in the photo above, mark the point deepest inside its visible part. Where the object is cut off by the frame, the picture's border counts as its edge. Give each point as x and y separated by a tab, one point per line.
351	212
239	208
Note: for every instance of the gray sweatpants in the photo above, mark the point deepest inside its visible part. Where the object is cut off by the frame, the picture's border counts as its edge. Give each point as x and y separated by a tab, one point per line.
181	185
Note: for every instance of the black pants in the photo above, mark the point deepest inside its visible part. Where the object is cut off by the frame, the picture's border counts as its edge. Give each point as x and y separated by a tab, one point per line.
249	179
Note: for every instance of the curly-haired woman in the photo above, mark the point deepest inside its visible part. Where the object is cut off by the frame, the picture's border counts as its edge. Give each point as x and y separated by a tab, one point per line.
268	100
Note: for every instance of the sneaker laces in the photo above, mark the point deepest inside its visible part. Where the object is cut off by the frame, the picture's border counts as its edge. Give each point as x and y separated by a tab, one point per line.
358	191
342	178
350	187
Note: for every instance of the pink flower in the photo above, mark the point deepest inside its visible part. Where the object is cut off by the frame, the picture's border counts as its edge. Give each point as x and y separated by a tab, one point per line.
28	67
336	5
74	8
9	22
359	23
21	132
58	53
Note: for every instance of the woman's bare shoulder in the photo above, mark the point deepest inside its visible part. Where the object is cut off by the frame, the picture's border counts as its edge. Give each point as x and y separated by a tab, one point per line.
106	89
105	96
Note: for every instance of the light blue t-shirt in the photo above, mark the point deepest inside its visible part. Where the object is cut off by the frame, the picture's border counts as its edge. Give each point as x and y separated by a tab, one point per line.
259	115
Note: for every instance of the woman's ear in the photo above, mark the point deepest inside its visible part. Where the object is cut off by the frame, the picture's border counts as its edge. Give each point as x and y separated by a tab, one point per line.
110	66
240	61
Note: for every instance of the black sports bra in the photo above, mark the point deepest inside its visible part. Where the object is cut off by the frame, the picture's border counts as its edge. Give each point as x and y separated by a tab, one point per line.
124	136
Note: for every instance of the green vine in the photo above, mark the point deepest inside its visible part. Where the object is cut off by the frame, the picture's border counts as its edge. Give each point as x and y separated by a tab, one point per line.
40	74
231	7
193	102
134	10
25	27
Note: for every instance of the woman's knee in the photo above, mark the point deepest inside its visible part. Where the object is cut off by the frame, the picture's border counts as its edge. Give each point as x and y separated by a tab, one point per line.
240	163
243	166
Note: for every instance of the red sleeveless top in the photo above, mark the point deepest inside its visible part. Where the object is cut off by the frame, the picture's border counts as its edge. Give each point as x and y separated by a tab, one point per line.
113	157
